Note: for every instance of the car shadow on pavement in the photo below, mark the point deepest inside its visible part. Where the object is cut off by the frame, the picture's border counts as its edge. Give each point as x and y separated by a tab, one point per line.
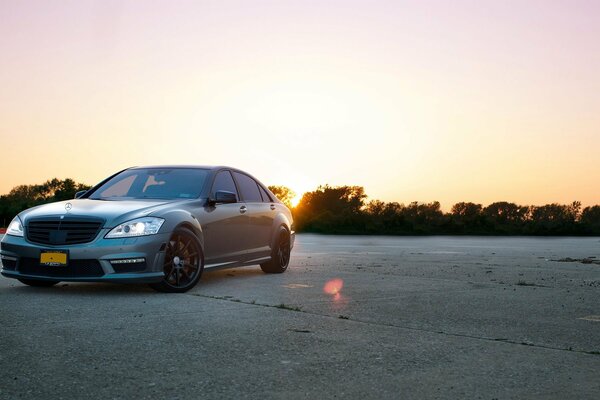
84	288
209	278
219	276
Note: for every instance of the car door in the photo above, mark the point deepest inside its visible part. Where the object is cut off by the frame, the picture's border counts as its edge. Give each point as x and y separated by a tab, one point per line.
260	216
225	226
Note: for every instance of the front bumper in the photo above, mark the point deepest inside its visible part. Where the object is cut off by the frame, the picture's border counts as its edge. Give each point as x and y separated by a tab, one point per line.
88	262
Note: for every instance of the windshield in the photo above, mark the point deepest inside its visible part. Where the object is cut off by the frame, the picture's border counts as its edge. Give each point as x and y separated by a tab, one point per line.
153	183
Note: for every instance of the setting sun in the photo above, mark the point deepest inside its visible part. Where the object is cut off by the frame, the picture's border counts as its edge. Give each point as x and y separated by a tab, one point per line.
296	199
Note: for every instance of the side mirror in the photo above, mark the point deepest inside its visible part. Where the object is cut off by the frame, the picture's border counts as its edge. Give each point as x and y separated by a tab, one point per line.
223	196
80	193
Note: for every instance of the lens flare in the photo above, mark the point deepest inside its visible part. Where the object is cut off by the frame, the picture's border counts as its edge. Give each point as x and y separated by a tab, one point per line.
333	287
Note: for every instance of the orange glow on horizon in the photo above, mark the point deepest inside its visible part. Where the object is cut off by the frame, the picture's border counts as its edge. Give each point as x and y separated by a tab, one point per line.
413	102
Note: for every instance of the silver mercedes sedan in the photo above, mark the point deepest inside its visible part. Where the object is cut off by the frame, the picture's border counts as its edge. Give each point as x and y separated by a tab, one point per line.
161	225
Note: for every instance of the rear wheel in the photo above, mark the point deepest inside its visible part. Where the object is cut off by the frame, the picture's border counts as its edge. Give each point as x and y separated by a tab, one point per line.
280	254
37	283
183	264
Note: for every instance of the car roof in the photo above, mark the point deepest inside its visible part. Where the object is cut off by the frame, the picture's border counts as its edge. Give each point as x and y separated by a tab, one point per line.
208	167
211	167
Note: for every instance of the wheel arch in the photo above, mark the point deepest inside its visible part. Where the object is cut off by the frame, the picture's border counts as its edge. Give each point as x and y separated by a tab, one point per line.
186	220
278	222
196	229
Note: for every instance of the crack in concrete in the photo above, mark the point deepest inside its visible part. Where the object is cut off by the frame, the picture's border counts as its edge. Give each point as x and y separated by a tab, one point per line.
412	328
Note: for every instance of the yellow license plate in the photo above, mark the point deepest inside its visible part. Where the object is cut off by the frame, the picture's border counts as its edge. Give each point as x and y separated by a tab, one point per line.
54	258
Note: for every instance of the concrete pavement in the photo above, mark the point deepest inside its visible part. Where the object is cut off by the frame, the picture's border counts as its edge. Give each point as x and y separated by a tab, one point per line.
430	317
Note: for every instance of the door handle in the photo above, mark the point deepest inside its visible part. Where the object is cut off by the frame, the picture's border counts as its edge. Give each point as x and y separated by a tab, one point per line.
272	206
243	209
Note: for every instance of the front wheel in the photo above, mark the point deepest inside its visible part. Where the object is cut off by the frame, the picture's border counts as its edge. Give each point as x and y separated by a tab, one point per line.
37	283
183	264
280	255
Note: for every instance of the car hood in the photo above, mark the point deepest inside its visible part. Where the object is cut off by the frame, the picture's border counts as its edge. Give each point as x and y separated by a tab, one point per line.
112	212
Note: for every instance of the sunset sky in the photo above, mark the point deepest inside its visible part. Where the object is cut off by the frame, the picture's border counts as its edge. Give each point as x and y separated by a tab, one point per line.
414	100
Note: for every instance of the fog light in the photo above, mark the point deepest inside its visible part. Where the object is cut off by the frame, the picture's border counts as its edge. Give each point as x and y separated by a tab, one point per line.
128	261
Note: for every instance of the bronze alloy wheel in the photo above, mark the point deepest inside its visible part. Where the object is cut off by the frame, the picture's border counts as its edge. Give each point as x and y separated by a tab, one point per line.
183	262
280	255
283	250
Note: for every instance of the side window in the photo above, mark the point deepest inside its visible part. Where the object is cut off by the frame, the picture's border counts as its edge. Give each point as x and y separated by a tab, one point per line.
248	187
224	181
265	196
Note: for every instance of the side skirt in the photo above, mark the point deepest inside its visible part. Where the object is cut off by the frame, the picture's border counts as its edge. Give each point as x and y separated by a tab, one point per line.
235	264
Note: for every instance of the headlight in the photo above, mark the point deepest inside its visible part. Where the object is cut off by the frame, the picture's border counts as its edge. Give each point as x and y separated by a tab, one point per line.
15	228
137	227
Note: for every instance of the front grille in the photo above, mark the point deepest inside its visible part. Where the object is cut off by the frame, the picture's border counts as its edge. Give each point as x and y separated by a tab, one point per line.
56	231
75	269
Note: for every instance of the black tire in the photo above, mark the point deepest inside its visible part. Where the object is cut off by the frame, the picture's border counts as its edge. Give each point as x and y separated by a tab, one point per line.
184	263
280	254
37	283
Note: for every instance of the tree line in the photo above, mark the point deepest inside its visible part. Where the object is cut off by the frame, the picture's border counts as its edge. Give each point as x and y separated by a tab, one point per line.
345	210
25	196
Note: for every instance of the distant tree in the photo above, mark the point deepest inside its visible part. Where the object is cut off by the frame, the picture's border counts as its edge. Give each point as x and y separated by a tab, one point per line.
375	216
466	217
283	193
336	199
505	218
338	208
25	196
554	219
466	210
590	220
424	218
375	208
393	218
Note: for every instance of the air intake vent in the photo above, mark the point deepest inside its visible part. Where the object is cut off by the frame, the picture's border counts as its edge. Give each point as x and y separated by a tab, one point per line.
75	269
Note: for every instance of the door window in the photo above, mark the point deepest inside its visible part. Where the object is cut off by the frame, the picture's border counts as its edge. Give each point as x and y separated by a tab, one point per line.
265	196
248	188
224	181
